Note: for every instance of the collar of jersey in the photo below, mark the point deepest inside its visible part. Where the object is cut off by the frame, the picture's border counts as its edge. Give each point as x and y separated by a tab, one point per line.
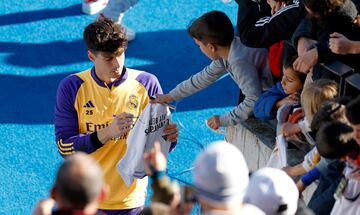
115	83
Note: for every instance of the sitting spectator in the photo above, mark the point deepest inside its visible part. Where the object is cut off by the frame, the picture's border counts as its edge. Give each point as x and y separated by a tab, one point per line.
334	141
313	163
347	201
272	191
312	98
78	188
214	33
285	92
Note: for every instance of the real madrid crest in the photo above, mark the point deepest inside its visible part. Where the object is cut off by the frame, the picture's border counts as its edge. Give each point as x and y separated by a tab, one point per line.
133	102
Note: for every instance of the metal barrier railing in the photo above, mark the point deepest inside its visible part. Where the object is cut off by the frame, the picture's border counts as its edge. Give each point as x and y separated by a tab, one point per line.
352	85
339	72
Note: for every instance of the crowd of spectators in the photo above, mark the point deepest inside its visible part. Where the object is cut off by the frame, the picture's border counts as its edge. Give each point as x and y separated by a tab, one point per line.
276	56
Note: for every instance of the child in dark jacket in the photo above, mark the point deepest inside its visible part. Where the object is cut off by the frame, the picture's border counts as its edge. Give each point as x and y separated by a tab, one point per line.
284	92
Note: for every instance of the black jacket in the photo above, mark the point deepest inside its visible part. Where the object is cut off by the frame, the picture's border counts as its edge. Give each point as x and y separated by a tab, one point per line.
257	28
340	21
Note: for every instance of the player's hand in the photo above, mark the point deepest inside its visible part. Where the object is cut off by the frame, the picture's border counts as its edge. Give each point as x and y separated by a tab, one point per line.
121	124
171	132
44	207
154	158
214	122
162	99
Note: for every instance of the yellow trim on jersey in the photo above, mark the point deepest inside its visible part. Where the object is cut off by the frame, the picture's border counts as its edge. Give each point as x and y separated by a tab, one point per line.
66	153
64	148
65	144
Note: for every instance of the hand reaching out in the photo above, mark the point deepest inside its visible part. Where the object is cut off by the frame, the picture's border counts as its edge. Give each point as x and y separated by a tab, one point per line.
155	159
162	99
214	122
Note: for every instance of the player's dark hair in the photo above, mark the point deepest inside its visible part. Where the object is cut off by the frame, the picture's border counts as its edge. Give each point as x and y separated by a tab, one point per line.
103	35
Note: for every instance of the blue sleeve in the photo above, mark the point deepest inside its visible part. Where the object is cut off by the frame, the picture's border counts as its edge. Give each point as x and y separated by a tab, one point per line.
264	106
311	176
68	138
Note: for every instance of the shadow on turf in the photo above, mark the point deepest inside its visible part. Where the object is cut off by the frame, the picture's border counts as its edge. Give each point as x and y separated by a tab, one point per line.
37	15
174	57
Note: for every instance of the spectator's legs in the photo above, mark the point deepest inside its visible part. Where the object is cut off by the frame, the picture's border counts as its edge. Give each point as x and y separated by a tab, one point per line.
115	10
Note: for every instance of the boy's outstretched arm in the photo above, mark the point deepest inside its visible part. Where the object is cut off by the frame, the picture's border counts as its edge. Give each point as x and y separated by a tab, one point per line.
199	81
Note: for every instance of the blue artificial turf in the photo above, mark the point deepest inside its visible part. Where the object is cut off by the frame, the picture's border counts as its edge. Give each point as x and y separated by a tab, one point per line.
41	43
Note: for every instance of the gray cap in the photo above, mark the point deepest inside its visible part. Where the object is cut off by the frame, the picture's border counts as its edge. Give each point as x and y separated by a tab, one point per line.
221	174
273	191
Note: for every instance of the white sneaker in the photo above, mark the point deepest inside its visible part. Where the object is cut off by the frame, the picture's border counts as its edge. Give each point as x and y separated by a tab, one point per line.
130	33
93	6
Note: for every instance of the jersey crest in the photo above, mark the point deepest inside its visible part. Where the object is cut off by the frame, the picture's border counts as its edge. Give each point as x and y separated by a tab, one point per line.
133	102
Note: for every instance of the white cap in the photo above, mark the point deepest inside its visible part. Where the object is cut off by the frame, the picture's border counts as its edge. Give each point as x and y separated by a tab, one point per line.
221	174
273	191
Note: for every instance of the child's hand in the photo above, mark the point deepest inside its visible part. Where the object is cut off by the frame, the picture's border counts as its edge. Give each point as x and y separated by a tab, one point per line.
162	99
290	99
289	129
301	186
294	170
155	159
288	170
214	122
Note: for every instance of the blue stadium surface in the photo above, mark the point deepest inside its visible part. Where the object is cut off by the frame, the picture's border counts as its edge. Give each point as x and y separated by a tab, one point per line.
41	43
